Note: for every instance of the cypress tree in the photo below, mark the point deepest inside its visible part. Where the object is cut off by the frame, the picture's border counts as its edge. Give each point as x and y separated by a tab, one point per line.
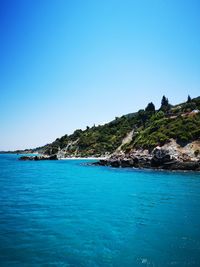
150	107
189	99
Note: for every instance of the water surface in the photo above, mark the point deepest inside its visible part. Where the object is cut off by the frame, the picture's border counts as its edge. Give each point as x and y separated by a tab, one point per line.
64	213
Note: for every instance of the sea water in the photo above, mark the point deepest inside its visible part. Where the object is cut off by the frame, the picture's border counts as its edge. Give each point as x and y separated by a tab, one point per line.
66	213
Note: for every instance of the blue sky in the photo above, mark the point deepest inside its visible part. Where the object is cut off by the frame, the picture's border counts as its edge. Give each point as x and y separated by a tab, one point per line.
69	64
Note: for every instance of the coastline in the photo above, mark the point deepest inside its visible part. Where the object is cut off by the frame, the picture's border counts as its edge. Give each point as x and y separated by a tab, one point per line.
84	158
169	157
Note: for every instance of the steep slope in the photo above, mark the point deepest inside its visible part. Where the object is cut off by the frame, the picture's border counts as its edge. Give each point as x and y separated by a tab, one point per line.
126	140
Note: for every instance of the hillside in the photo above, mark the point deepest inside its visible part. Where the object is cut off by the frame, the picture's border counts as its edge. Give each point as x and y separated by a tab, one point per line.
144	129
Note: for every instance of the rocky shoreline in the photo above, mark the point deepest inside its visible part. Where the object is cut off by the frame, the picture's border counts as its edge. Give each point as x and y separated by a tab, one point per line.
164	158
39	157
158	159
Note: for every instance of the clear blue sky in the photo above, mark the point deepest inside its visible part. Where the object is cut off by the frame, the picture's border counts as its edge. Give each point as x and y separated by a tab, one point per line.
69	64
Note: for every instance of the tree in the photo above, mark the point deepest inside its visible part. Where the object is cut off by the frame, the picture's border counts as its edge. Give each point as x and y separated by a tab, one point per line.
164	101
189	99
142	116
150	108
164	104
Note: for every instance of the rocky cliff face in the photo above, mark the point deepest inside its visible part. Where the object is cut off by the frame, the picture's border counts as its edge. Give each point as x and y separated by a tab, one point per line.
171	156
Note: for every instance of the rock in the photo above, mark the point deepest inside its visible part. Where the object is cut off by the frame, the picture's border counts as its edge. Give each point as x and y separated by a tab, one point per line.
53	157
26	158
36	158
104	162
144	162
183	166
135	160
127	163
101	162
116	163
160	157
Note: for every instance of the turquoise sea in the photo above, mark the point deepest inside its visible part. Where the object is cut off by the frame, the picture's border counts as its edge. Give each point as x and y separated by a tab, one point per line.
65	213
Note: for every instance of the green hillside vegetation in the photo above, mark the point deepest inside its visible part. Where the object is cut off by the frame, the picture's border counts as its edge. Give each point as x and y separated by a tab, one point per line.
159	131
151	128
